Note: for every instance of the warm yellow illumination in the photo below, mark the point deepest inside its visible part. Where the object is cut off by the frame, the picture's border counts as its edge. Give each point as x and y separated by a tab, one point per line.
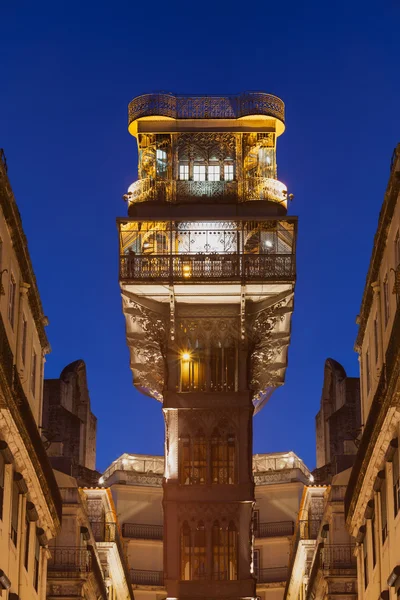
185	356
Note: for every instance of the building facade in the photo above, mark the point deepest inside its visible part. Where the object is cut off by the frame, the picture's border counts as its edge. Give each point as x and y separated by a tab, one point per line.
87	558
207	272
30	502
136	484
372	498
322	563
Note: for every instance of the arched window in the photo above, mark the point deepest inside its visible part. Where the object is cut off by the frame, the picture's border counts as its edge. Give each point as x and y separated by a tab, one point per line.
193	463
223	458
224	551
199	552
192	369
223	367
219	546
186	548
232	551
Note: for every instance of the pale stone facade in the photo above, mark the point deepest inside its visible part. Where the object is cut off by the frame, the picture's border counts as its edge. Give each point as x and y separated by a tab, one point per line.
136	482
373	499
30	502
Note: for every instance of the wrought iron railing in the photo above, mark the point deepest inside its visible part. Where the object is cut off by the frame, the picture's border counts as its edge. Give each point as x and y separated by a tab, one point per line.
104	532
72	559
272	575
338	557
206	107
141	577
200	267
143	531
308	529
280	528
171	190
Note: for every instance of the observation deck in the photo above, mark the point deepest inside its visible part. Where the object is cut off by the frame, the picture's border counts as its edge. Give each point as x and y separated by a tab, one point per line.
185	107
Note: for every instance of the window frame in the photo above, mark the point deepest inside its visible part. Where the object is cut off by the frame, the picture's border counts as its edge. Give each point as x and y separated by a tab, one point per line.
27	542
15	499
383	502
12	294
396	482
199	170
24	340
386	301
33	378
367	371
2	483
36	564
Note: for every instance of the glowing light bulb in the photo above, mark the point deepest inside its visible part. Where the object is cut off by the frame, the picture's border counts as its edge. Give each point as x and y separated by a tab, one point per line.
186	356
101	480
268	244
311	478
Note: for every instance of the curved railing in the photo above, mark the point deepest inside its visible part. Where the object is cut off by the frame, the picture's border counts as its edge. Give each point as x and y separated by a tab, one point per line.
206	107
254	188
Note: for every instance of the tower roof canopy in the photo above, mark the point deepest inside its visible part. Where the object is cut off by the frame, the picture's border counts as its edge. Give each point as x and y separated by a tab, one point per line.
168	106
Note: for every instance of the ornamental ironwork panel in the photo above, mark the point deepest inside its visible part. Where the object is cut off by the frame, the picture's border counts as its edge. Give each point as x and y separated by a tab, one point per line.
281	528
201	267
74	559
338	557
206	107
142	577
143	531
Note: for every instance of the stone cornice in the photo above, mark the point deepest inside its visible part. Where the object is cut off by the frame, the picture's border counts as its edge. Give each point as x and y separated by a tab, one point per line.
385	217
20	246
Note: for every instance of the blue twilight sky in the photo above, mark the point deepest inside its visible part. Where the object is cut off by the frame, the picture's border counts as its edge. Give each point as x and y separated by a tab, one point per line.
68	71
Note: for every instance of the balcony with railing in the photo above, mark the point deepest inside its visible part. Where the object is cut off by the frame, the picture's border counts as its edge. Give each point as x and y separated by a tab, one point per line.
151	578
338	559
308	529
207	251
142	531
182	191
274	529
272	575
71	560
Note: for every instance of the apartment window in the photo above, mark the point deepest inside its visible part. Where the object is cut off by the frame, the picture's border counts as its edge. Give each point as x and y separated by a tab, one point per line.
376	339
228	172
256	521
33	372
386	305
11	301
223	458
397	250
367	371
24	338
384	510
199	173
213	173
396	483
36	564
14	513
186	552
365	561
184	172
373	537
27	541
256	563
2	469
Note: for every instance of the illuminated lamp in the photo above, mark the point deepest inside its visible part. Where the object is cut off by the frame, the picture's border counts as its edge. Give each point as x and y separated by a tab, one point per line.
185	356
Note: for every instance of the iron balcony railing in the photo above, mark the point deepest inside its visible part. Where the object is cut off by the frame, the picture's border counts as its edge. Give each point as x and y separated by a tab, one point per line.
212	267
104	532
272	575
337	558
143	531
277	529
308	529
169	190
140	577
70	559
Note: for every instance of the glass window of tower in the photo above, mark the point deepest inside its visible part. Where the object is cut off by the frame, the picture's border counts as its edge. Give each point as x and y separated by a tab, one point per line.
228	171
184	172
213	172
161	158
199	172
